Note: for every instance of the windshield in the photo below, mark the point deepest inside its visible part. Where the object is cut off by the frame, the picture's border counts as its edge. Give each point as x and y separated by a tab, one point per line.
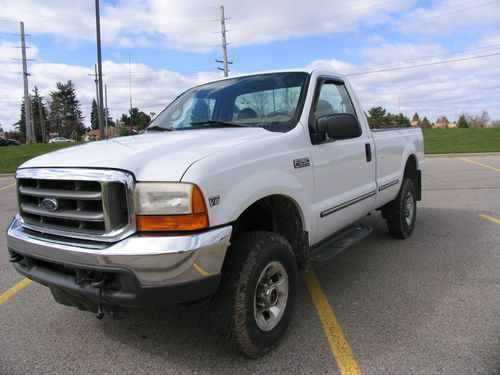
272	101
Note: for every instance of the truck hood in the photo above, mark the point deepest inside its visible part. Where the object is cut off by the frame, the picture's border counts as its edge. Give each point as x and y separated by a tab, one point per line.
158	156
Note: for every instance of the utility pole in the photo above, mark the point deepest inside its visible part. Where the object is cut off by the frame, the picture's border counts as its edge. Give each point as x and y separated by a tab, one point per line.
42	120
27	102
96	80
99	70
106	108
224	44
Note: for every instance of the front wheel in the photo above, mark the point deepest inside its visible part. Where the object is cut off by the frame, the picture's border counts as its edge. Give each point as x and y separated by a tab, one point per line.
402	211
259	285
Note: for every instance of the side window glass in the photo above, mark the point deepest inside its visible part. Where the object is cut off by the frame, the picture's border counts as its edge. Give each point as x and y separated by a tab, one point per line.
333	98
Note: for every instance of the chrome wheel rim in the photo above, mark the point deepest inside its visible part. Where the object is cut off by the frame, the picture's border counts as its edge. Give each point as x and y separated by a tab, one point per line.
271	295
409	208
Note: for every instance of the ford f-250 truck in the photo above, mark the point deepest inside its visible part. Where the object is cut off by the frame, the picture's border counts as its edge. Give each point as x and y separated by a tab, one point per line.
236	186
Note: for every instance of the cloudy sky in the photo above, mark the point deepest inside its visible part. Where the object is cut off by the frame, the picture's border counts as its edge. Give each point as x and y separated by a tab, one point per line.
431	57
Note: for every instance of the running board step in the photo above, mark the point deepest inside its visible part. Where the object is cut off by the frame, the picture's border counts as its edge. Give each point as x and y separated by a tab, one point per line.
350	236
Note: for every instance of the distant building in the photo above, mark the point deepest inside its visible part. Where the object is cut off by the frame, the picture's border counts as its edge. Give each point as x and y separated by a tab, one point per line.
415	121
441	123
111	132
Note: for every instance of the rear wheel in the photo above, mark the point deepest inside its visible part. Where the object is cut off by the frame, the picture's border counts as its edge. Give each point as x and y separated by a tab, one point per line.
402	211
258	290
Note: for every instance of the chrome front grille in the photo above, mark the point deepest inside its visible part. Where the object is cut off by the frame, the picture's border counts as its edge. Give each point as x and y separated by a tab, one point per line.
80	203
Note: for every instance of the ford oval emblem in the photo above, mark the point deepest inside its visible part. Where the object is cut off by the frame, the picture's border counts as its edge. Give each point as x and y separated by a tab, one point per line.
50	204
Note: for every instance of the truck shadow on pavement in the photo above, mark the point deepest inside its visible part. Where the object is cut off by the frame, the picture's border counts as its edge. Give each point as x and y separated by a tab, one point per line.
396	300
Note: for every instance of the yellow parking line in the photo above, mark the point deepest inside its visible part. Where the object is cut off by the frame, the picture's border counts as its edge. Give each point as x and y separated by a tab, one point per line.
6	187
481	164
490	218
14	290
338	343
201	270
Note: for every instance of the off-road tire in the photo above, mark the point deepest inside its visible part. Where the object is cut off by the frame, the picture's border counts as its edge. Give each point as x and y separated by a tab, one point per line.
248	257
402	211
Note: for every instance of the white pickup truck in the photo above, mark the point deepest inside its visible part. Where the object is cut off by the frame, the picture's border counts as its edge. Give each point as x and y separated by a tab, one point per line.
236	186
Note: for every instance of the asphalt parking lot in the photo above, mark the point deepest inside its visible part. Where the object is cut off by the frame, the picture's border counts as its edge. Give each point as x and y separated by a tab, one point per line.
426	305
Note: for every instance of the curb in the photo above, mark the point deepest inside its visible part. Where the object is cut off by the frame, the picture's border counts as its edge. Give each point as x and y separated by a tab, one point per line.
462	154
7	174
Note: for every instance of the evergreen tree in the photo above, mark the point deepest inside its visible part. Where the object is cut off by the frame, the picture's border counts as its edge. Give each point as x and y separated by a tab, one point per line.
40	121
21	124
462	122
65	114
94	119
403	121
377	117
35	100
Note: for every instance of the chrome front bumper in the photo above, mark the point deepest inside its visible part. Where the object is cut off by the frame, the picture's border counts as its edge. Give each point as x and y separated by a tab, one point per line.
155	261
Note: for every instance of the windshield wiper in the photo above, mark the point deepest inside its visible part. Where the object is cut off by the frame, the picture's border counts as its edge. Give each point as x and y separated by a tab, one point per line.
218	123
157	128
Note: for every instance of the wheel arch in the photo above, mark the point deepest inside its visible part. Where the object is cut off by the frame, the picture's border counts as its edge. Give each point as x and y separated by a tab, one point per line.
279	214
412	172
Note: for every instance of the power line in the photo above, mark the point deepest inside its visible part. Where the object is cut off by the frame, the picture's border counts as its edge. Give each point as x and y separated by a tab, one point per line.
422	65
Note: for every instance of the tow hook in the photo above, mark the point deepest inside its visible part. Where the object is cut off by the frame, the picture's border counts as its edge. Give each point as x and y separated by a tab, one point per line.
14	258
100	284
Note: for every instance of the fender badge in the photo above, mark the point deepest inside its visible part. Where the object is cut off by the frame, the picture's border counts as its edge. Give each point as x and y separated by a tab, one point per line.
301	163
214	201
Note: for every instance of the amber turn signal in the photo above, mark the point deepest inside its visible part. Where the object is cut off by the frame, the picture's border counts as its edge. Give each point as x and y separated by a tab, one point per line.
198	219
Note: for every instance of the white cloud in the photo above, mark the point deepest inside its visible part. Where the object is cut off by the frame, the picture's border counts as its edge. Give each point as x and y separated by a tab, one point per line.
193	25
152	89
444	89
448	17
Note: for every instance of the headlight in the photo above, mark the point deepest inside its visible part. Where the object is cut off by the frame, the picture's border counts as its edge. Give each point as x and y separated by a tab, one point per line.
170	207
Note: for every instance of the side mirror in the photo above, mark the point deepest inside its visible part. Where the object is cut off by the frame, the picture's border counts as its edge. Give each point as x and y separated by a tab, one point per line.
339	126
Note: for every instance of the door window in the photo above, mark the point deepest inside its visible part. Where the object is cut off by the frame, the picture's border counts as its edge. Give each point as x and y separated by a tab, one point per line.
333	98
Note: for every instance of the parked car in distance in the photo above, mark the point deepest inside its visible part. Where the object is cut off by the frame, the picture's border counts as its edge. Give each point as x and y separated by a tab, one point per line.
61	140
8	142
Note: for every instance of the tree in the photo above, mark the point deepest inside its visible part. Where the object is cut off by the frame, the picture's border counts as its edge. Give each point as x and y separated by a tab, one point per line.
39	122
478	121
426	124
135	118
377	118
139	119
65	114
403	121
395	121
462	122
94	119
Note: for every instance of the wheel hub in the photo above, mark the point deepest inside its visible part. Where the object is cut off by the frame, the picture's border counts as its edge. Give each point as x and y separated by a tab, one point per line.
409	203
271	295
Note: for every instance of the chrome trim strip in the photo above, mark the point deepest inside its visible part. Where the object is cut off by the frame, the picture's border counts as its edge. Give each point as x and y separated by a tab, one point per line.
347	204
388	185
103	176
154	259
